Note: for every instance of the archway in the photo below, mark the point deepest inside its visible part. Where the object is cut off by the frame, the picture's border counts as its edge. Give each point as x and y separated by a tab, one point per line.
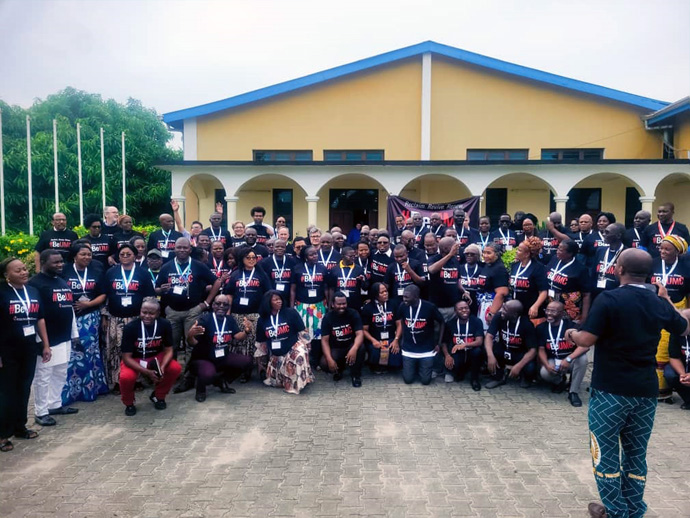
435	188
610	192
201	192
518	192
674	188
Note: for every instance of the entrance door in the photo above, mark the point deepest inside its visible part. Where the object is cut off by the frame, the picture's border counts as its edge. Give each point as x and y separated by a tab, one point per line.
347	207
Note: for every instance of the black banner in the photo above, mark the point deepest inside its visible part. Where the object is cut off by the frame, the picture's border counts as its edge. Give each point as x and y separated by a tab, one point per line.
398	206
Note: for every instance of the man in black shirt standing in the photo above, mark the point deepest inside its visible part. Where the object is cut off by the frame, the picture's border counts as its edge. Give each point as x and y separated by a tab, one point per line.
61	328
656	232
215	232
633	236
164	239
59	239
625	323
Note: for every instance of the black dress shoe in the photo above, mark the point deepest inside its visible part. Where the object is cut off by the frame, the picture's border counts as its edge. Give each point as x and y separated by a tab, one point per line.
158	404
596	510
476	386
184	385
574	399
200	397
45	420
130	410
357	382
63	410
337	376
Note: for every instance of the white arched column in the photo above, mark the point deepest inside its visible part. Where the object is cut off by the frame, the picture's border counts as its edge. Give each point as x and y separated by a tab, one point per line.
312	206
561	202
648	203
231	202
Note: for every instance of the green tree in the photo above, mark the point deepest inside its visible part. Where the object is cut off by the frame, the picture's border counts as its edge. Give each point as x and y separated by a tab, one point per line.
146	138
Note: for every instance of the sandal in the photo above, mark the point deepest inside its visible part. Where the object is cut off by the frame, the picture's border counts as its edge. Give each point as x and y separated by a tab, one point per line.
26	434
6	445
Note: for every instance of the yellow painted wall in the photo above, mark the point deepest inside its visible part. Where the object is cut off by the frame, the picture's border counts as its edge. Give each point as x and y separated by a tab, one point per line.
378	109
260	192
435	189
524	193
612	193
681	137
675	189
474	108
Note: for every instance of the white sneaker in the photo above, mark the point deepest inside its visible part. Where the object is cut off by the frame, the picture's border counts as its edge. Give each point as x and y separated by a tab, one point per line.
449	378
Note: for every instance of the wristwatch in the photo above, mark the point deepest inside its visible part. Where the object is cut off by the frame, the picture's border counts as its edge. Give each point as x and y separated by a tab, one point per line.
568	359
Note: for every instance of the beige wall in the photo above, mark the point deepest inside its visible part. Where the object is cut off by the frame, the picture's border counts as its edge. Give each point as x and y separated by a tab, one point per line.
378	109
475	108
260	192
613	189
676	189
681	138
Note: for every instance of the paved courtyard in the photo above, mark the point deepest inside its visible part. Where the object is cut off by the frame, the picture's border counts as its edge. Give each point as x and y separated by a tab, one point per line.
386	449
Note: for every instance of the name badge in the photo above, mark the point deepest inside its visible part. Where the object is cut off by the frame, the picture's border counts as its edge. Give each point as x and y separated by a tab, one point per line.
275	344
346	292
220	352
363	292
311	293
601	283
244	301
384	335
507	355
29	330
509	247
280	287
126	301
178	290
144	363
83	298
165	254
400	291
558	364
552	294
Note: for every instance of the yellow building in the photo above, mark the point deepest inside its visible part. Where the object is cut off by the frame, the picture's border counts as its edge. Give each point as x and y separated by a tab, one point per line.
431	123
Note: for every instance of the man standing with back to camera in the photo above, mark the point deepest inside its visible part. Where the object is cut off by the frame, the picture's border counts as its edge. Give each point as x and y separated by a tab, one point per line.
625	323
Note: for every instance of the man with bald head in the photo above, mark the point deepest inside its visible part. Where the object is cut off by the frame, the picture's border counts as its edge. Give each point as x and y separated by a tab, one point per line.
164	239
215	232
604	270
633	236
419	228
511	342
436	226
549	239
187	295
407	239
625	323
59	238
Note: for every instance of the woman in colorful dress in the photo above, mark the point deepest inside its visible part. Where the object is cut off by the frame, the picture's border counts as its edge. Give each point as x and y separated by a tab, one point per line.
85	373
672	271
568	281
282	345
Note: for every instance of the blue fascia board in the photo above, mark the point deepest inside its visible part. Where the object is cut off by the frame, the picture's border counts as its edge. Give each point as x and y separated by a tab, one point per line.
656	119
176	118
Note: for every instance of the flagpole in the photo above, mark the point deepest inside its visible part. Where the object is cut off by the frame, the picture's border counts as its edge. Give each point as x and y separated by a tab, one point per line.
2	181
55	161
124	187
81	188
102	170
28	162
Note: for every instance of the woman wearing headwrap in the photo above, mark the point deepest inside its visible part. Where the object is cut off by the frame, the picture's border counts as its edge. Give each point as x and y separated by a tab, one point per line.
671	270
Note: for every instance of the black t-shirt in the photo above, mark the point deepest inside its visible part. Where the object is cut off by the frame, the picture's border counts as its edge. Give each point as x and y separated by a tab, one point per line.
492	276
115	287
679	348
444	289
516	338
482	240
628	323
284	328
527	286
218	235
217	267
549	245
111	230
604	270
56	240
341	328
279	271
380	318
238	241
457	332
469	277
120	238
633	237
14	318
379	265
559	347
397	279
310	283
677	277
261	233
349	281
567	276
655	233
418	328
417	254
506	238
591	246
165	242
466	236
57	306
215	339
101	248
419	233
187	286
579	237
329	259
87	283
247	288
158	337
436	231
260	250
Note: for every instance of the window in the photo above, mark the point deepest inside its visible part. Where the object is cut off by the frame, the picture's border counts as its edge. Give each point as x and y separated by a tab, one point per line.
632	205
282	206
497	154
353	155
496	204
572	155
581	201
283	156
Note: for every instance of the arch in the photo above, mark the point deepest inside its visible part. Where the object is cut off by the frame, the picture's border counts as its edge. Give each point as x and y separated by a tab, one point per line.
435	188
522	191
259	191
199	192
674	188
302	179
614	195
527	177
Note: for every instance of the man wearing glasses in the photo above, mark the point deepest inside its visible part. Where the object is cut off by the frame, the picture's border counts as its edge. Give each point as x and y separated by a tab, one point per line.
59	238
381	259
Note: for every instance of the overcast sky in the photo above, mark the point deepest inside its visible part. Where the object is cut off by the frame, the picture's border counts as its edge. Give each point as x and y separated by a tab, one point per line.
177	54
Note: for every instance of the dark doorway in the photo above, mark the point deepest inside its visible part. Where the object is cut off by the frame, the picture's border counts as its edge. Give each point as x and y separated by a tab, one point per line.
348	207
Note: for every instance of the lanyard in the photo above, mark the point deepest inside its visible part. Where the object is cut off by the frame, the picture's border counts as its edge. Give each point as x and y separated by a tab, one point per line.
519	272
607	263
325	261
167	238
506	240
365	265
461	234
346	278
437	229
154	278
220	332
143	337
184	274
484	242
279	275
416	234
467	329
245	281
413	321
515	331
213	234
687	354
25	303
554	343
637	234
601	236
125	280
275	323
467	273
661	229
401	274
382	312
309	277
557	270
217	267
665	274
82	281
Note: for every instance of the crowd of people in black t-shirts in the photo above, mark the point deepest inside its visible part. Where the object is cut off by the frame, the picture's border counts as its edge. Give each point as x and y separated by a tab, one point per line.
116	311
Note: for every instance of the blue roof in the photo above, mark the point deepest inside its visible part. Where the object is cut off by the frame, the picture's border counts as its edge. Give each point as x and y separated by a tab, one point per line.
670	111
176	118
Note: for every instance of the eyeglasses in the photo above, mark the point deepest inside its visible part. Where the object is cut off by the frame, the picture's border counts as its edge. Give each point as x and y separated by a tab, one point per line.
251	257
221	303
382	242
